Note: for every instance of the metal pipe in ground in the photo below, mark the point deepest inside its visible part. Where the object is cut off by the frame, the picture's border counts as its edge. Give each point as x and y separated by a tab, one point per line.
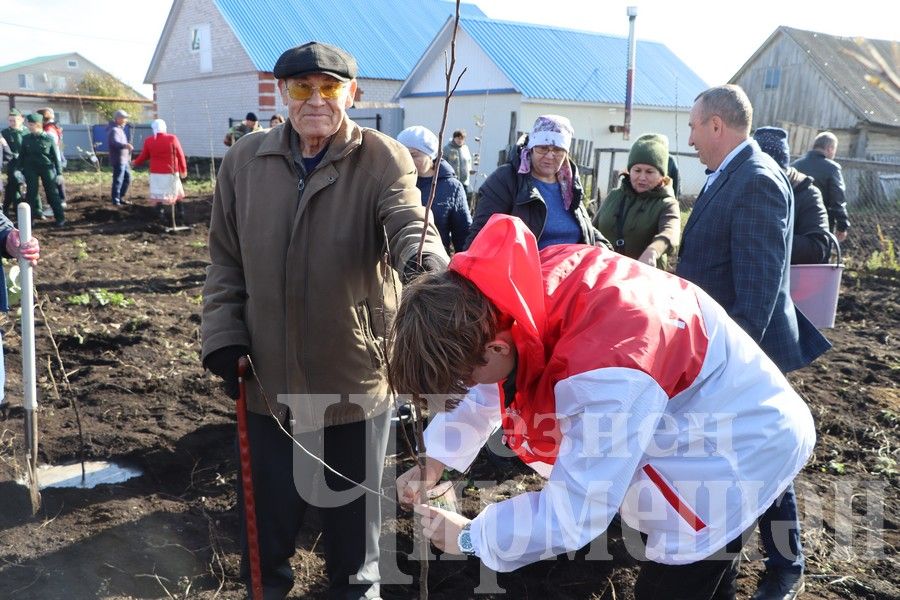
29	381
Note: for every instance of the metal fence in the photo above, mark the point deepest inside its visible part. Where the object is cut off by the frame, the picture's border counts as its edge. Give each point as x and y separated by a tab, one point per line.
80	140
873	205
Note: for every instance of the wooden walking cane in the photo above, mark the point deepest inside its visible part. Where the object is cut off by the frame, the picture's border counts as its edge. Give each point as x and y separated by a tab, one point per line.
247	481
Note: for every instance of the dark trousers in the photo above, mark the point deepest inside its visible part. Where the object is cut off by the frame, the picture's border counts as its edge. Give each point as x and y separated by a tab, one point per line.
46	176
121	179
286	482
714	578
779	532
13	194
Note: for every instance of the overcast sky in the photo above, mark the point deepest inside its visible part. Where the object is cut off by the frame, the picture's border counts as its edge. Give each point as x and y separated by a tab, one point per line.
712	37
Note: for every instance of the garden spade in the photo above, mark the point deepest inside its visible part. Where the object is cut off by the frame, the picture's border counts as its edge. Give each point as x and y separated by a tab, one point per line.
175	228
247	481
29	393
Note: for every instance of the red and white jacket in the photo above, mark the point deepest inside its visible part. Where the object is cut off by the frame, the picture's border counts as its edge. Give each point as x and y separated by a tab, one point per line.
635	393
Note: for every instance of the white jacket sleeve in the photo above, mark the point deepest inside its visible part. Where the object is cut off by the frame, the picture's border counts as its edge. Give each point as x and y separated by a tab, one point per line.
456	437
607	418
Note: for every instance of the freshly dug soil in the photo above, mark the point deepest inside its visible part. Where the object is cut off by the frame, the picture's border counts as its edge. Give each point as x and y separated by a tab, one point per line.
130	366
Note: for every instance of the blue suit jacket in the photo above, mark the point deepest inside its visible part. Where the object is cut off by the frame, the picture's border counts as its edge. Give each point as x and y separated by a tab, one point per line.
737	247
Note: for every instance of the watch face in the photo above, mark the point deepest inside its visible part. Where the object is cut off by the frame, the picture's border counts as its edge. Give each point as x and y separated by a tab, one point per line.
465	542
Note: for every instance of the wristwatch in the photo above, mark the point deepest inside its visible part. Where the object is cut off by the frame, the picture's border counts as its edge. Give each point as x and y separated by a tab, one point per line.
464	541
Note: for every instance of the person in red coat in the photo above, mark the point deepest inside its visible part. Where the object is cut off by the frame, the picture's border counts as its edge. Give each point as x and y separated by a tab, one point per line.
168	167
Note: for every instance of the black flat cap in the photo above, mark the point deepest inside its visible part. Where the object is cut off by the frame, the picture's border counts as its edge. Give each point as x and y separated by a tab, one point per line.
315	57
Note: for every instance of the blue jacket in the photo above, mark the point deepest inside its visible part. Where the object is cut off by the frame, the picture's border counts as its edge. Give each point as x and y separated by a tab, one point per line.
450	208
737	247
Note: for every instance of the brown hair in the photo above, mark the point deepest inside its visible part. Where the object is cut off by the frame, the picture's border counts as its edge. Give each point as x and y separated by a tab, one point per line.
439	335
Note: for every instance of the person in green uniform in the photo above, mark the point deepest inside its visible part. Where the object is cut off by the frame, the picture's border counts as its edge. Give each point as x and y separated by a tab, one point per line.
642	217
13	136
38	161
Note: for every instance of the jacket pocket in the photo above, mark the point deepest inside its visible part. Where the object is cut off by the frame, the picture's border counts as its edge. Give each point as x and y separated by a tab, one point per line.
674	499
373	342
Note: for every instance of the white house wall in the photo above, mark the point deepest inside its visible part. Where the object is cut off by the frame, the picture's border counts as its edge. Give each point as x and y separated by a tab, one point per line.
196	105
481	72
179	62
465	112
378	90
197	110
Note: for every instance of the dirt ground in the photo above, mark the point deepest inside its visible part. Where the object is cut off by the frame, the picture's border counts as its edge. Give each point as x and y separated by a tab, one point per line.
131	368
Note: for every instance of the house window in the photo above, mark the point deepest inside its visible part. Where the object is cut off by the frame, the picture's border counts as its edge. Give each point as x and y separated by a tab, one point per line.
72	64
59	84
26	81
63	116
200	45
773	78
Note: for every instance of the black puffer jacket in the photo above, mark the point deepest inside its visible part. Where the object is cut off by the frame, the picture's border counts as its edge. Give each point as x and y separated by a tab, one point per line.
508	192
811	245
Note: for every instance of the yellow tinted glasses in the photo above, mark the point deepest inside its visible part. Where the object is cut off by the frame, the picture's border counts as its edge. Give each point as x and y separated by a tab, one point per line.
298	90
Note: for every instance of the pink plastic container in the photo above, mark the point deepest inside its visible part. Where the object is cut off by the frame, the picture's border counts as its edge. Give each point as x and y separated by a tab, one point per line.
815	289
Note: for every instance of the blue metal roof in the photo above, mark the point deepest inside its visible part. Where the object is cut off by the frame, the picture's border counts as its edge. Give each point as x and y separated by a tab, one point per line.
387	37
565	64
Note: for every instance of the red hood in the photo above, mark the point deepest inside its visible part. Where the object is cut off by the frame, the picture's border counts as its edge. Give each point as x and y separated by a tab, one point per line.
503	262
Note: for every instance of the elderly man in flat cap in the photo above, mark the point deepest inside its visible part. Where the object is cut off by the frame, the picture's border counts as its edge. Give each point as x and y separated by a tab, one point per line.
304	218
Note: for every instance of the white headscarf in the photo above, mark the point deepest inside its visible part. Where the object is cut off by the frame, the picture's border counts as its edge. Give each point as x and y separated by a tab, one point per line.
158	126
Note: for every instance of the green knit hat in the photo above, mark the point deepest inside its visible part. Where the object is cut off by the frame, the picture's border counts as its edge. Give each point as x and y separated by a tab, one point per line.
35	118
650	149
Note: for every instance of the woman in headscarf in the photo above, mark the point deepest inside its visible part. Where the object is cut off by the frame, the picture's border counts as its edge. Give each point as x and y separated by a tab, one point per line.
168	167
540	185
642	216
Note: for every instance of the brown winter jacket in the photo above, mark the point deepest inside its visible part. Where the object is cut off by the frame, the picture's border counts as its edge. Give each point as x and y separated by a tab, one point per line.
297	276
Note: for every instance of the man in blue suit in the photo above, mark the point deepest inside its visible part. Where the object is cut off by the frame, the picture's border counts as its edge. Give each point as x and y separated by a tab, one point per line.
737	247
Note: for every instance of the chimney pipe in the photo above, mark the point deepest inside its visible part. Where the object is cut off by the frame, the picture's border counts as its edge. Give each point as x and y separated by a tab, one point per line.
629	79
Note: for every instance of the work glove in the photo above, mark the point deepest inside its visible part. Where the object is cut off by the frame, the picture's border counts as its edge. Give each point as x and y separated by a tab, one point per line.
430	264
19	177
59	180
224	363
